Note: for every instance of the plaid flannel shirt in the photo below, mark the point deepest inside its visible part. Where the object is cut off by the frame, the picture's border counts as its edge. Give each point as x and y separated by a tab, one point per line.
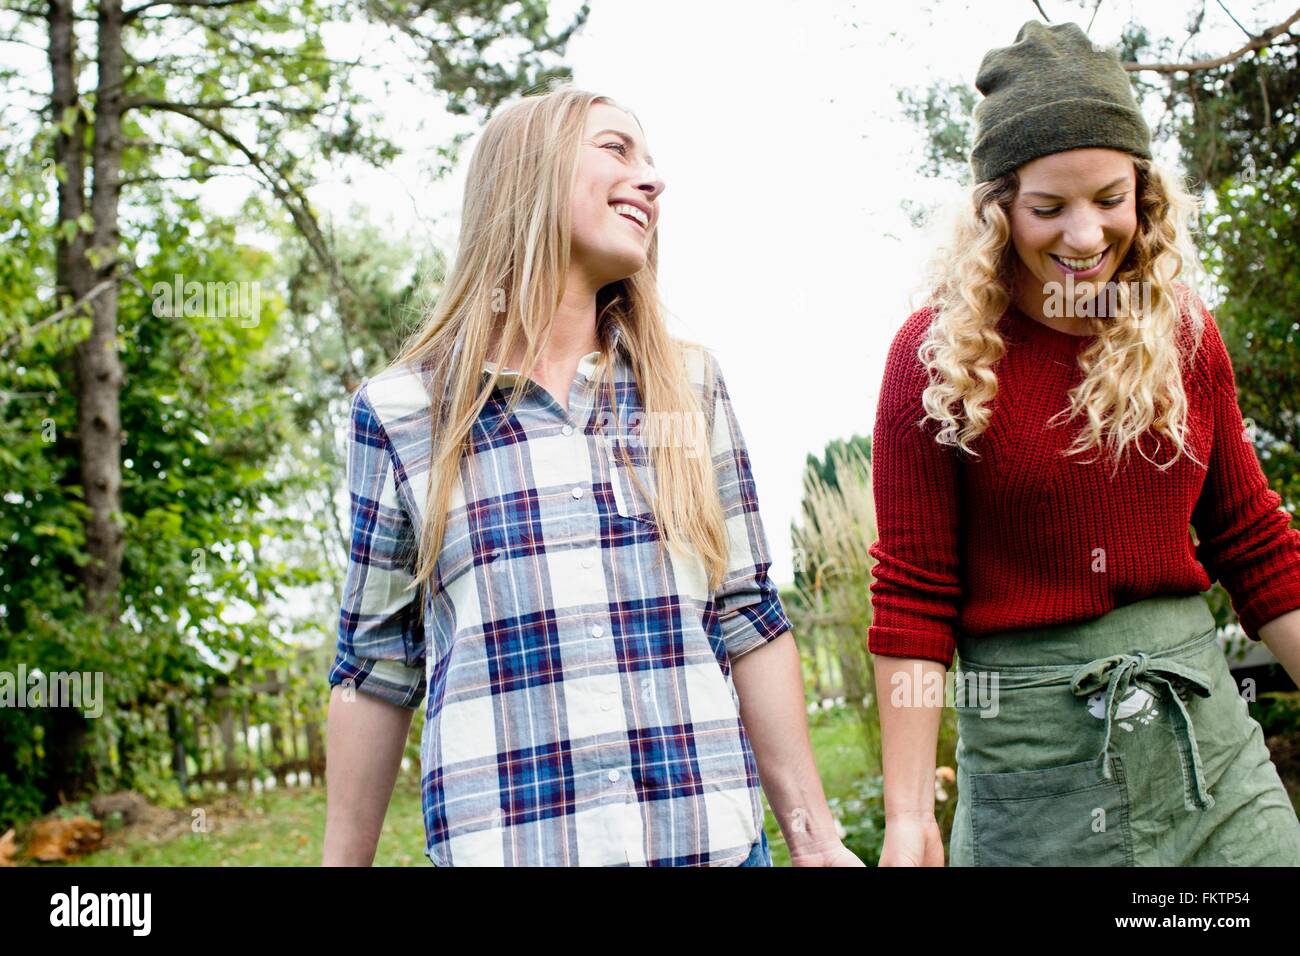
580	707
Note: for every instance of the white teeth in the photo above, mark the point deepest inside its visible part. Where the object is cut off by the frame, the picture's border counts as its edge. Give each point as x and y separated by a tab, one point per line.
1082	265
625	210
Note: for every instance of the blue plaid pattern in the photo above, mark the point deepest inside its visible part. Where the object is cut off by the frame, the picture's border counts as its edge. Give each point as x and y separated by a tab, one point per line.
576	673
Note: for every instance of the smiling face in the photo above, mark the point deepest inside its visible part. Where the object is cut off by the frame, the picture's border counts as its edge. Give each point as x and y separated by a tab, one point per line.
1074	216
615	207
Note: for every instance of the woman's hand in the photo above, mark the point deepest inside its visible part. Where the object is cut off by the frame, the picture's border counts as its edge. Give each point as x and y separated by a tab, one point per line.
912	840
831	854
909	736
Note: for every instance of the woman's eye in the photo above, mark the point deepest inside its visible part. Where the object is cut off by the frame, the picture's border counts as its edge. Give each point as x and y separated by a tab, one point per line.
622	149
1110	203
1045	213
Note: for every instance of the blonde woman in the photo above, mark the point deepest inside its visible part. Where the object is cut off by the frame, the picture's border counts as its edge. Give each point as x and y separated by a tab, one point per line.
1050	425
556	544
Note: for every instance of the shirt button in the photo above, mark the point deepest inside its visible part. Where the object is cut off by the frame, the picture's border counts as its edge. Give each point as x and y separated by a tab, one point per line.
597	630
613	776
586	563
577	492
606	705
567	430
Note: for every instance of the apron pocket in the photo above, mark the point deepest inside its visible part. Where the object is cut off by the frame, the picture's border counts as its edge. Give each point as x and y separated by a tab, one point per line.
1059	816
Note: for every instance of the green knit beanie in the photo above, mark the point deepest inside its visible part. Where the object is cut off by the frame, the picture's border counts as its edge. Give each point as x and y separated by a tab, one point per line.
1048	92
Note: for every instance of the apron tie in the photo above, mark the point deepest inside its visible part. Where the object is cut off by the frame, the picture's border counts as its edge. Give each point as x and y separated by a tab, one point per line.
1120	672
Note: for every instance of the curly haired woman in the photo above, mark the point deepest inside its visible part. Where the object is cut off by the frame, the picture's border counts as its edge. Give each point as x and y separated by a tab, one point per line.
1049	428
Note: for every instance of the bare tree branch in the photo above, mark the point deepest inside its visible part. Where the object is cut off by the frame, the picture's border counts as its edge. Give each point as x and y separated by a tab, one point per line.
1193	30
24	11
64	312
1224	8
134	12
143	103
35	46
40	13
184	150
296	204
1262	41
201	176
1095	7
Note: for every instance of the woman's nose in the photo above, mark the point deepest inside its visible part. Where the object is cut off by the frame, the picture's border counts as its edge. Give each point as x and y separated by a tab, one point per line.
649	181
1083	233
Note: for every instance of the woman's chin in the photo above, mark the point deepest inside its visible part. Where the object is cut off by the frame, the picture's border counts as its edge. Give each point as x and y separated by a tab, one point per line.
625	266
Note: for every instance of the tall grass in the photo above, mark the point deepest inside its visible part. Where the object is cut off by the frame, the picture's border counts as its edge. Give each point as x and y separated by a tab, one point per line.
833	606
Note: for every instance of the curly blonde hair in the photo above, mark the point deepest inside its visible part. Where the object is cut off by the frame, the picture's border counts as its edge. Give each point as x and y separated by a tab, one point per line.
1132	379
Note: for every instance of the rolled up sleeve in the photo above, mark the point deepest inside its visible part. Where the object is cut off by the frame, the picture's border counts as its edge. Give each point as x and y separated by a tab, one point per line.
747	601
381	646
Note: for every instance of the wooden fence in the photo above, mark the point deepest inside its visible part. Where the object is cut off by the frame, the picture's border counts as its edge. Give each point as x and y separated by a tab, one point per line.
245	732
274	736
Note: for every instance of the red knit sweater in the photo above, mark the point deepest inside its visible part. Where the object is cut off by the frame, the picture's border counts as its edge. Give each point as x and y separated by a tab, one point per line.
1023	537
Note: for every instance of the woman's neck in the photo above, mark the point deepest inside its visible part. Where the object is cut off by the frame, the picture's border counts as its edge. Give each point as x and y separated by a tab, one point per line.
572	335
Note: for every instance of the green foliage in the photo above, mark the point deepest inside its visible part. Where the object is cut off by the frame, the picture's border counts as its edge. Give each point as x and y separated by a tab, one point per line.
837	449
1237	120
1255	251
823	472
20	798
204	488
944	110
862	815
465	44
1278	714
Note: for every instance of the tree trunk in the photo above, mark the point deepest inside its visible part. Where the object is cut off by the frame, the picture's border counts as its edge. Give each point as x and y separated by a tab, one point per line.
68	767
99	370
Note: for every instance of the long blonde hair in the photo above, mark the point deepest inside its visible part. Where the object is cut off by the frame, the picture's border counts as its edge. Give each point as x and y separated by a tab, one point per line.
1132	379
503	290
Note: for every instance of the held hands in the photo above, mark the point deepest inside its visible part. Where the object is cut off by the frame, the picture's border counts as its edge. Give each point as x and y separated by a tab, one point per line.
832	853
813	838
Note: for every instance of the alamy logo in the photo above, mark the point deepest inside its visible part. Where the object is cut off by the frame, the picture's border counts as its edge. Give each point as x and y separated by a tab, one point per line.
103	909
970	688
36	688
218	300
1067	299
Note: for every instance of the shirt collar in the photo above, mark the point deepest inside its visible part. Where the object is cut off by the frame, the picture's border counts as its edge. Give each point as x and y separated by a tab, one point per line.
586	365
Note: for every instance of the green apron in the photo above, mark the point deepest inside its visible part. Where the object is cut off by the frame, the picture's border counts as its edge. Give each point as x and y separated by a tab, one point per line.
1122	741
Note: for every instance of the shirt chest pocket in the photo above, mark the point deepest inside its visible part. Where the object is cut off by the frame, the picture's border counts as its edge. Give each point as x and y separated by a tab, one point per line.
457	553
632	479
